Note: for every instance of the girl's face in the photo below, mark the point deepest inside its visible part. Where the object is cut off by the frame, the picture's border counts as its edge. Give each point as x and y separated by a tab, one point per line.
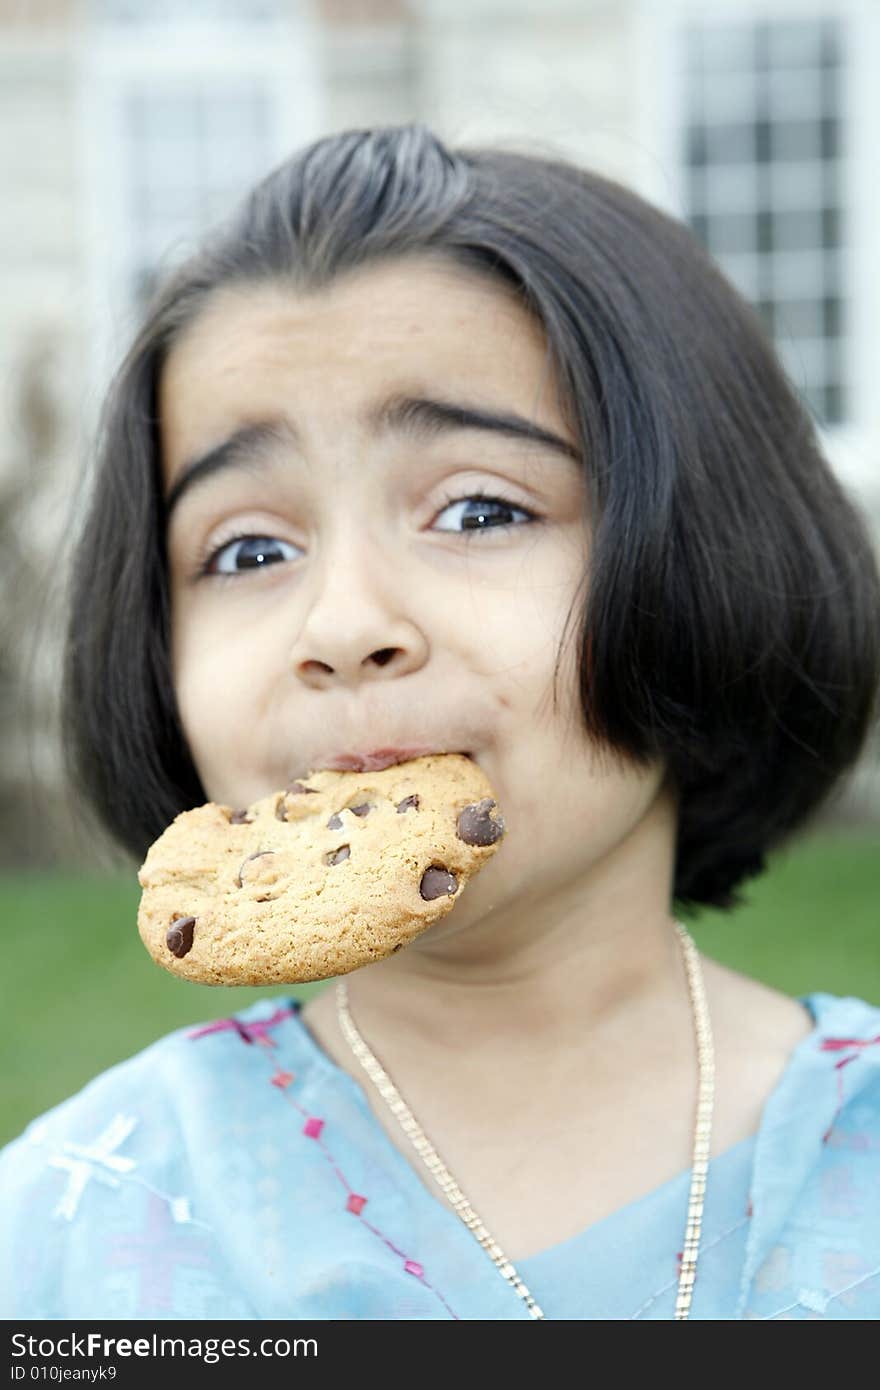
377	604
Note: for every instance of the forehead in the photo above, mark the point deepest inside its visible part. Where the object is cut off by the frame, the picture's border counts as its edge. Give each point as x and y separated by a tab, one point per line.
406	324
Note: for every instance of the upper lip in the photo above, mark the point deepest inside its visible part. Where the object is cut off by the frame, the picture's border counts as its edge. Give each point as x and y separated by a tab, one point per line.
374	759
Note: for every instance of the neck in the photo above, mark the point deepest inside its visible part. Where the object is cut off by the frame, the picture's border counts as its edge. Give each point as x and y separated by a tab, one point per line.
582	972
580	979
587	986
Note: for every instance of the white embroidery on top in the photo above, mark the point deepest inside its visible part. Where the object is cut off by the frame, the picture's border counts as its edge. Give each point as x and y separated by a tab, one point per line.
97	1160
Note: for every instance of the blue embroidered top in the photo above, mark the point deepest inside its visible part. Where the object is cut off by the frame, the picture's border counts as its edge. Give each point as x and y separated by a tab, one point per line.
235	1171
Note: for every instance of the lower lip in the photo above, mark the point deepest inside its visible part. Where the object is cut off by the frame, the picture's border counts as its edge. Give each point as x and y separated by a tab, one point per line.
376	761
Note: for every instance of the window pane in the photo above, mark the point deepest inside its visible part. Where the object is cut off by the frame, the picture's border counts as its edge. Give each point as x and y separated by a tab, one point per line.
799	274
730	189
732	232
724	46
793	95
730	144
797	231
796	140
800	43
800	318
797	185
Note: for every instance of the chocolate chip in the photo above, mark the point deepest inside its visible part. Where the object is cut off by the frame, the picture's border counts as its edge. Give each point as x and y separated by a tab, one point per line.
255	855
407	803
335	822
240	818
436	881
336	856
363	810
179	936
476	826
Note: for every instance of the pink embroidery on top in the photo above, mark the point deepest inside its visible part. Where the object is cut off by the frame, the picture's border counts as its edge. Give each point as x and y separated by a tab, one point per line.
837	1045
255	1031
282	1081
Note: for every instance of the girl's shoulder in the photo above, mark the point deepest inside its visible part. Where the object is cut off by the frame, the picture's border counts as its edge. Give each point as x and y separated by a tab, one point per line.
813	1244
830	1090
150	1085
138	1155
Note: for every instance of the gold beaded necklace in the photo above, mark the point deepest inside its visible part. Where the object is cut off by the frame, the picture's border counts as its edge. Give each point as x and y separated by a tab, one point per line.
441	1174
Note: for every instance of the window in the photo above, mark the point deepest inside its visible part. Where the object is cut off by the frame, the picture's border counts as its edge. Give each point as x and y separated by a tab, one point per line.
763	145
193	149
179	120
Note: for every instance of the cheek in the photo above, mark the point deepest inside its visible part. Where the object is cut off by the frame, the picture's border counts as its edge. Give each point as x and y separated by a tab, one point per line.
518	633
214	681
563	817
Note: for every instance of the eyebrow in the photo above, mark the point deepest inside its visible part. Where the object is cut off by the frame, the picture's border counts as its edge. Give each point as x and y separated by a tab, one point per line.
418	417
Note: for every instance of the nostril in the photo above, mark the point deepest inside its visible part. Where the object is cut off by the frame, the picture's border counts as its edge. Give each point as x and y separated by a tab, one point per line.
383	656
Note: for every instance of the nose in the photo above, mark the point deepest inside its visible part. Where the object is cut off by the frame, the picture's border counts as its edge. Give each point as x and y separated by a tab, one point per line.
348	670
359	626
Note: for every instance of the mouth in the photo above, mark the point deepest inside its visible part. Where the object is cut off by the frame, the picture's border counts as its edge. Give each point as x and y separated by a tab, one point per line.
379	758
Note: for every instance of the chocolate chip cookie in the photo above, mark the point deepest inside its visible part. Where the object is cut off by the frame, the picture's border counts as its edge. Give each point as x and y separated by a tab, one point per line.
337	870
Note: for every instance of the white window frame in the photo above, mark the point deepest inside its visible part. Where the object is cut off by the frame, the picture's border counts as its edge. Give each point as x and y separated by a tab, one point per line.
853	446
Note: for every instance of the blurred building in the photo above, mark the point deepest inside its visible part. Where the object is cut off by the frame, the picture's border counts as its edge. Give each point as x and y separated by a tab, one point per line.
128	126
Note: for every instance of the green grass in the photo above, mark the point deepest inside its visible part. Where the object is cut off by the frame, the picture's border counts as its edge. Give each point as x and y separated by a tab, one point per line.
80	992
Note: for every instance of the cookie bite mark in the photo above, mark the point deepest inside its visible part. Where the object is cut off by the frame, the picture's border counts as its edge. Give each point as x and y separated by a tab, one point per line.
179	937
437	881
476	825
258	854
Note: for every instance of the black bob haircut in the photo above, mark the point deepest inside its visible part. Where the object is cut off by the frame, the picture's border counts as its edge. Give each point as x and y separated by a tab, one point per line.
730	620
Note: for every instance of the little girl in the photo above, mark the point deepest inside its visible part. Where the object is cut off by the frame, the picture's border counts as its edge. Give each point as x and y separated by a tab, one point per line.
549	1105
